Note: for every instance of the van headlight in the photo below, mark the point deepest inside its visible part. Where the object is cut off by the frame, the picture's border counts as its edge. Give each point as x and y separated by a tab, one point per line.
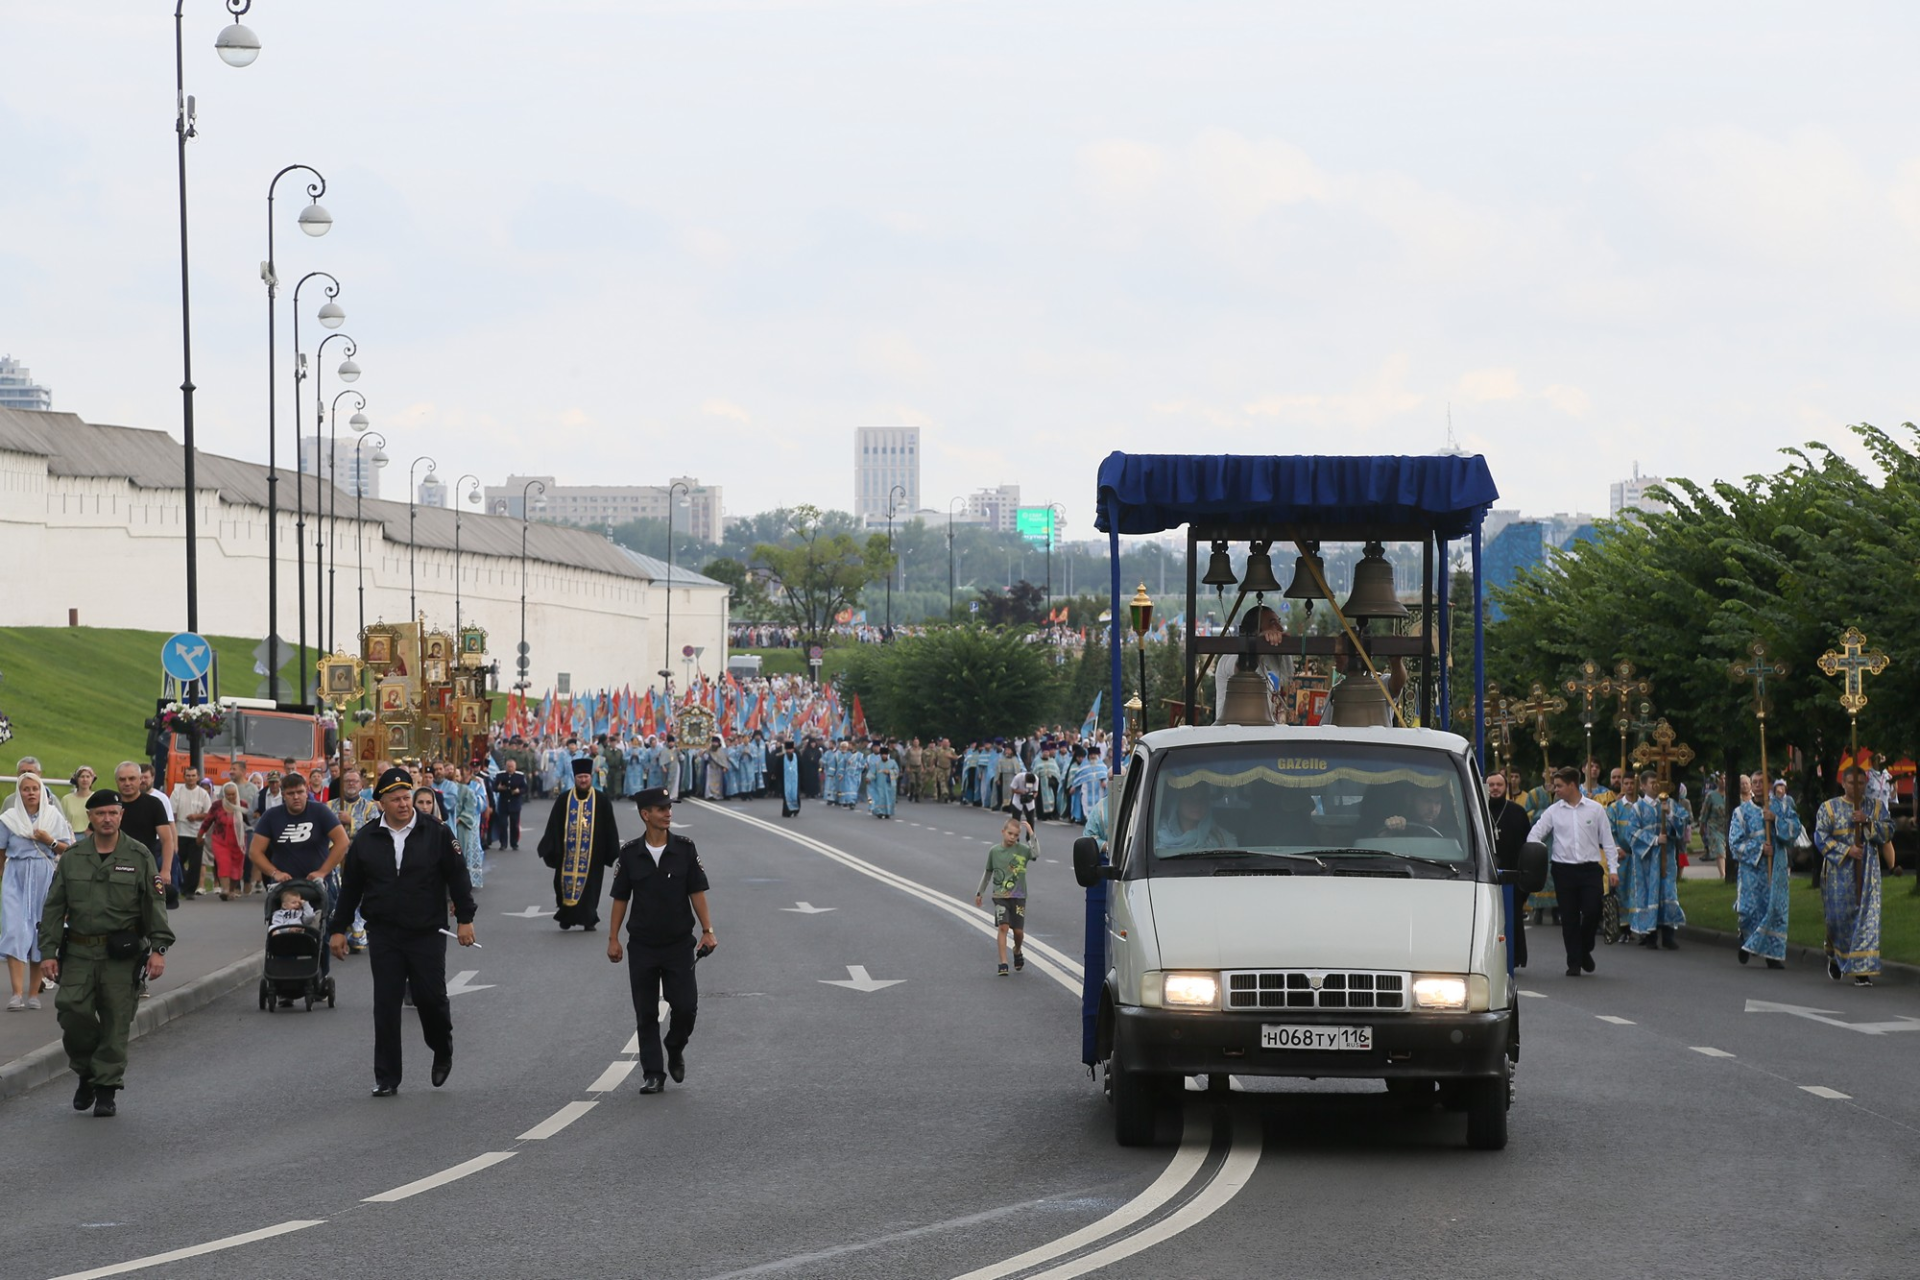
1190	990
1440	992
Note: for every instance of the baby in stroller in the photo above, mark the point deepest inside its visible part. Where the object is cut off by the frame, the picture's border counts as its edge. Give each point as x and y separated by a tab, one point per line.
294	967
294	909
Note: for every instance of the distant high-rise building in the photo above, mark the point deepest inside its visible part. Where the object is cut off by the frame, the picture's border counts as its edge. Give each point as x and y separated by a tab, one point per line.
596	506
433	491
1631	494
882	458
17	389
359	472
997	508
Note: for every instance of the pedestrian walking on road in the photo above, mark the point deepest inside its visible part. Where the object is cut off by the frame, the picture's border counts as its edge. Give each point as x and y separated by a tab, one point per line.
1762	843
1659	833
400	874
661	875
33	835
581	838
146	820
1006	876
1584	857
74	803
510	794
298	839
190	803
226	839
1509	841
105	920
1855	839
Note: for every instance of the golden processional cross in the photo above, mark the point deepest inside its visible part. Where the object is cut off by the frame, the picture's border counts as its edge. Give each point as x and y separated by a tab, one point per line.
1537	706
1591	686
1627	687
1663	753
1757	669
1853	660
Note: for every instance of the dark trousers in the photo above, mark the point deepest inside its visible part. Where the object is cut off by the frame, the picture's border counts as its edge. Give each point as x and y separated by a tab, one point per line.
655	974
404	959
1579	886
506	828
186	865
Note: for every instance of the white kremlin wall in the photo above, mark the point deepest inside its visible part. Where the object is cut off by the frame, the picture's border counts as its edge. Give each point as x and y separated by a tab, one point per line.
93	519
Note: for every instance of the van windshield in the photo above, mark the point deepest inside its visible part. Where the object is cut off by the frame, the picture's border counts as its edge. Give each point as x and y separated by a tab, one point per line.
1329	807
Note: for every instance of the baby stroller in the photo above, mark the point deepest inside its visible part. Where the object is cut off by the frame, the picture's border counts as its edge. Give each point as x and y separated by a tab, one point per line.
291	970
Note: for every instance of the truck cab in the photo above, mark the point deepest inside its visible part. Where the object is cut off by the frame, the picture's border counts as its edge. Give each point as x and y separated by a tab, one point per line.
256	736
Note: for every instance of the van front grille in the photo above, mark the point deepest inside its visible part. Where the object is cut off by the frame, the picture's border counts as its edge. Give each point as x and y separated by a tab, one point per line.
1253	989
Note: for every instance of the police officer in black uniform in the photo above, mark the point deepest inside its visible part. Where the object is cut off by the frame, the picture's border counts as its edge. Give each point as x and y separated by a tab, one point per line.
660	873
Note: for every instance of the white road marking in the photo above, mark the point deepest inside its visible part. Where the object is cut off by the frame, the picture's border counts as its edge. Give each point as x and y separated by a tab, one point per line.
441	1178
614	1076
1235	1171
1533	995
633	1043
1056	964
1812	1014
463	982
1710	1052
531	913
808	909
1194	1140
557	1121
1618	1022
858	979
194	1251
1821	1091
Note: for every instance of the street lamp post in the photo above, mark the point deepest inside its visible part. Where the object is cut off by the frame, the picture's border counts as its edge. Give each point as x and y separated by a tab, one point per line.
526	520
413	495
315	221
473	496
359	493
677	484
891	508
331	316
359	423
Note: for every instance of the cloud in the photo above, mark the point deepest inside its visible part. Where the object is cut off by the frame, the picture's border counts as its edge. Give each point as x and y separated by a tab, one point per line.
717	408
1376	400
1488	384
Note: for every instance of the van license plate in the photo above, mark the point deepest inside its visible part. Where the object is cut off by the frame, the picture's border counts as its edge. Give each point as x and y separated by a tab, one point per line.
1317	1038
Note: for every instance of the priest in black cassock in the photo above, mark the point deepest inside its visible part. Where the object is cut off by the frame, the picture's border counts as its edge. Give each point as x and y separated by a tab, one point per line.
810	769
580	842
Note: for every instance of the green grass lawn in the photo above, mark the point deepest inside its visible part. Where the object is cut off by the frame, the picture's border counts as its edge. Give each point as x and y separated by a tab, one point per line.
1709	904
81	695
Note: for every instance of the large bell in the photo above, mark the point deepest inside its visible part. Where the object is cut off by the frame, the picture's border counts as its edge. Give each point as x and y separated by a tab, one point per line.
1219	568
1304	585
1373	594
1358	702
1259	579
1246	702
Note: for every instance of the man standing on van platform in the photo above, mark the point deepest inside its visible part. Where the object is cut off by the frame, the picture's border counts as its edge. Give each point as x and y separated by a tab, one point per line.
1582	838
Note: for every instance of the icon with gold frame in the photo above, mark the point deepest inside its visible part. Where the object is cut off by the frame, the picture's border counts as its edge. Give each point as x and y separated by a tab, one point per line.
437	645
434	670
377	646
340	677
472	715
394	703
399	739
473	645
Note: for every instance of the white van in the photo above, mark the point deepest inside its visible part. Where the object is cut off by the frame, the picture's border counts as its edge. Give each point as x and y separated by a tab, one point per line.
1305	901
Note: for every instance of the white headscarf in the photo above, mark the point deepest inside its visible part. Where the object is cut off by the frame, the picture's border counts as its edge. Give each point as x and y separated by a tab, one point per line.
51	819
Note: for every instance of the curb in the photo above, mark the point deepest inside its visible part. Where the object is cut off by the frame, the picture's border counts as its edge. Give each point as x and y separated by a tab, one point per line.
1892	972
33	1069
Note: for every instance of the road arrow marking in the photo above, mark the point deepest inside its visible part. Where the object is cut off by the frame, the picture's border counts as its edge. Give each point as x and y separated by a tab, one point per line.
857	979
463	983
1824	1015
1709	1051
808	909
531	913
1821	1091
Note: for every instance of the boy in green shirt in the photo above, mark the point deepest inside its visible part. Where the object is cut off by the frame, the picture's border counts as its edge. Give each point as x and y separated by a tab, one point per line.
1006	874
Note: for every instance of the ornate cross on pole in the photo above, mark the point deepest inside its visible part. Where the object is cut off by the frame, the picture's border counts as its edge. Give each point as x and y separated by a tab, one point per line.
1591	686
1663	753
1757	669
1628	687
1499	724
1853	659
1537	706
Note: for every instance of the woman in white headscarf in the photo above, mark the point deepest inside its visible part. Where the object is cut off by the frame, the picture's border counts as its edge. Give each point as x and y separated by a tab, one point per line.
36	833
225	831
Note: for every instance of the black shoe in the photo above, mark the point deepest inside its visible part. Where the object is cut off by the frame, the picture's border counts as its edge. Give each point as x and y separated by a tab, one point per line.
677	1065
83	1096
1776	964
1859	980
1586	962
588	928
103	1106
1019	960
442	1068
385	1090
1650	939
564	926
1573	971
1743	955
173	901
1833	968
1667	941
653	1084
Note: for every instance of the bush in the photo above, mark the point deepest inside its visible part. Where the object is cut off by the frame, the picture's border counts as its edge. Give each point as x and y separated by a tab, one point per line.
955	682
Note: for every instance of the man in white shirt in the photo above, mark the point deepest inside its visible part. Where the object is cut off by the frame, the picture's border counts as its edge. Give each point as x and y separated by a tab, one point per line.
1583	848
190	804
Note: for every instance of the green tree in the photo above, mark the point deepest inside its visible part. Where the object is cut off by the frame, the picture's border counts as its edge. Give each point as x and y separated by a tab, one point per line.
821	570
956	682
747	599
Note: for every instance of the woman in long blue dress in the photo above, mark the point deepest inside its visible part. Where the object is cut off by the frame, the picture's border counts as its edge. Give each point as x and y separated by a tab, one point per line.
36	833
884	781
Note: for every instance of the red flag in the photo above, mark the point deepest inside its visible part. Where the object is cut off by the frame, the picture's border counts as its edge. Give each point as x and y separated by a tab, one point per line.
859	718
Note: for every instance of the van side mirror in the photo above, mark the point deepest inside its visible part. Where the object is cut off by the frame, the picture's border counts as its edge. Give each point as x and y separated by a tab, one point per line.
1531	875
1087	867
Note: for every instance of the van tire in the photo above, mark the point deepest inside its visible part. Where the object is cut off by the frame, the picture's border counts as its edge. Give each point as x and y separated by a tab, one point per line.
1136	1104
1487	1110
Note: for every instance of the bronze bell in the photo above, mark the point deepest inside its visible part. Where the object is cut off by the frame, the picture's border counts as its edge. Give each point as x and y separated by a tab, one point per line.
1259	577
1246	702
1373	594
1219	568
1358	701
1304	586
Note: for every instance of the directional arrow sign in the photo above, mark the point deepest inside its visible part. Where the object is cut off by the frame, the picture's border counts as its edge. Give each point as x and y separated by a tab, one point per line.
808	909
1826	1016
463	983
531	913
858	980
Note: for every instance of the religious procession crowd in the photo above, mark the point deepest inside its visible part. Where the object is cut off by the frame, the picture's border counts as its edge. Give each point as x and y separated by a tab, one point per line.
1751	830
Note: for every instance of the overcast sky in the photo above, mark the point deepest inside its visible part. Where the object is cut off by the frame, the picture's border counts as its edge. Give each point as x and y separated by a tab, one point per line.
620	240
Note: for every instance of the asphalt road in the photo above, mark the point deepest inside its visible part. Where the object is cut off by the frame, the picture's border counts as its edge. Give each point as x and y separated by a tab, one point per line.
943	1125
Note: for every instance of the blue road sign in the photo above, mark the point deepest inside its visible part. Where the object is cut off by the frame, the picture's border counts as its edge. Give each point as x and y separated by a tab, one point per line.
186	657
